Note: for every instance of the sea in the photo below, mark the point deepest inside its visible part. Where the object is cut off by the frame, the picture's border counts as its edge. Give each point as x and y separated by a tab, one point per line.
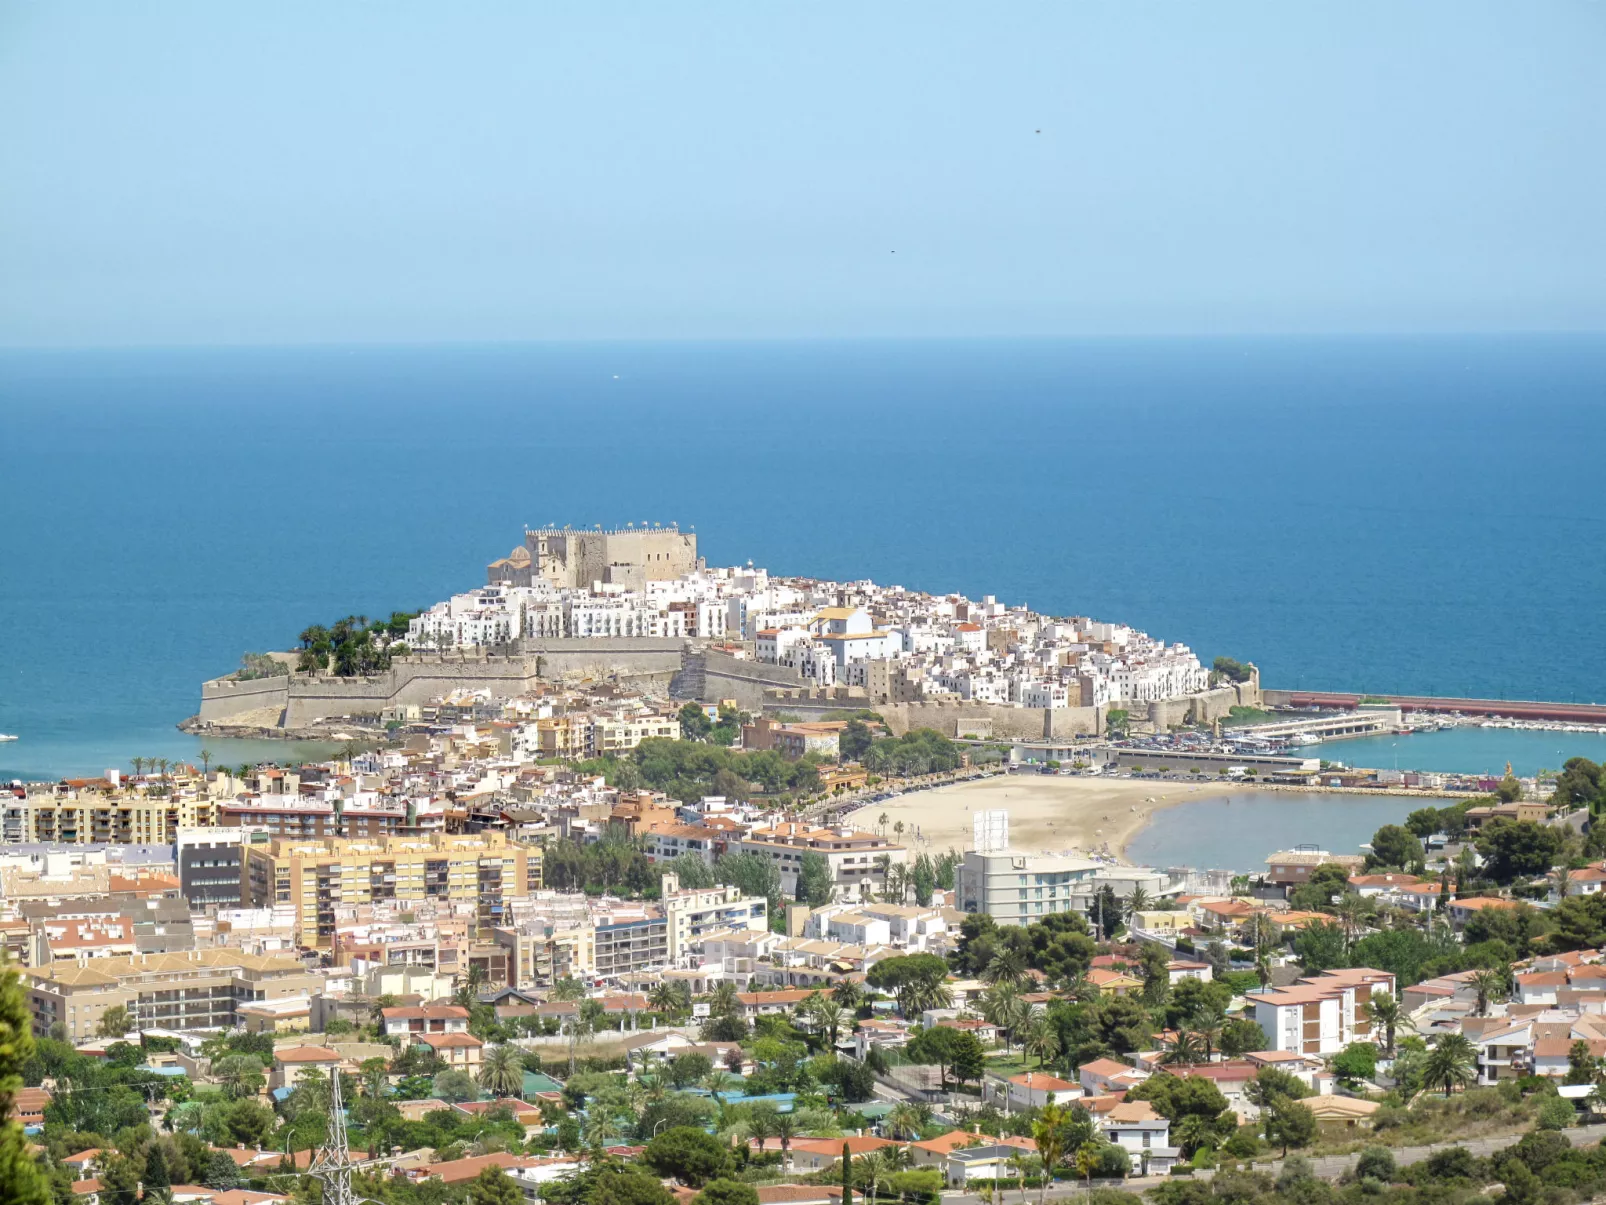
1371	514
1238	832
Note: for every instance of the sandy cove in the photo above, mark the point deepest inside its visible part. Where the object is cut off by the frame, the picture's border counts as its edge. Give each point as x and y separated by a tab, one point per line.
1047	813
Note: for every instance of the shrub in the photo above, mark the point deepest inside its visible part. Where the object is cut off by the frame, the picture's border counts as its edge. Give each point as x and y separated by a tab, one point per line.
1243	1145
1375	1163
1556	1113
1452	1163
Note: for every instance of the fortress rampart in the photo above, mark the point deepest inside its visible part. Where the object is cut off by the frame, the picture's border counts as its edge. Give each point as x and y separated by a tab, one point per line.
302	699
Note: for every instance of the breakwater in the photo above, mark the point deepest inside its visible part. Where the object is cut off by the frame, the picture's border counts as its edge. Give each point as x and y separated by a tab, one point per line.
1521	709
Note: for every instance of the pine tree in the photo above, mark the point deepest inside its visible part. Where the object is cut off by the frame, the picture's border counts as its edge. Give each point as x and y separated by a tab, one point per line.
22	1182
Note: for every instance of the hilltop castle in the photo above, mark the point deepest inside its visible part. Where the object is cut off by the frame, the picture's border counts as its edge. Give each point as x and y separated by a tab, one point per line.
576	558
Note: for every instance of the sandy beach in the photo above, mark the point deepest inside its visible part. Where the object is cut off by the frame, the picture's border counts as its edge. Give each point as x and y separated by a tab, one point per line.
1046	813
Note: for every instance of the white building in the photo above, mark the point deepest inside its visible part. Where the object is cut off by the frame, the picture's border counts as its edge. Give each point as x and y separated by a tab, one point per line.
1018	888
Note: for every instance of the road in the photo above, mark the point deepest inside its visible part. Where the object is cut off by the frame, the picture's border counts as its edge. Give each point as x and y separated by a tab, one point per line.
1329	1167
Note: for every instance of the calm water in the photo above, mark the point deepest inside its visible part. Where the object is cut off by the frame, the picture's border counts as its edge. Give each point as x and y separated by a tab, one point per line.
1465	750
1350	513
1238	832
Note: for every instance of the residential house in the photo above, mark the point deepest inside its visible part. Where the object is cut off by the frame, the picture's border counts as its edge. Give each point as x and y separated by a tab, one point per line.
1144	1135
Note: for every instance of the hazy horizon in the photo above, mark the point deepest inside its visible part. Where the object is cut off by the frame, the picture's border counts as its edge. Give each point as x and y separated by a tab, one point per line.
182	174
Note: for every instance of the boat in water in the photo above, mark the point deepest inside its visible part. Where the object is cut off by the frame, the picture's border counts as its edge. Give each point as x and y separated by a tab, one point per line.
6	736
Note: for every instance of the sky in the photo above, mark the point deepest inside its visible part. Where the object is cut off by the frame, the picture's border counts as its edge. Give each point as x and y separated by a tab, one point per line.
204	173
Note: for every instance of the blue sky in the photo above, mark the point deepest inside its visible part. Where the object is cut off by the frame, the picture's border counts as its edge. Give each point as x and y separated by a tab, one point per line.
202	173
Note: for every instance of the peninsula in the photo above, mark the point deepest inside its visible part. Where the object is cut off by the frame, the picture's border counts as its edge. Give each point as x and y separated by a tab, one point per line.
639	606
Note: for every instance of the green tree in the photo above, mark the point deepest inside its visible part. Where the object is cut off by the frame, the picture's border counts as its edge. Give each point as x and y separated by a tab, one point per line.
688	1155
1383	1009
726	1192
1393	845
493	1186
1239	1036
502	1071
1450	1063
1321	947
222	1173
694	722
454	1086
158	1180
1228	670
854	741
119	1183
1357	1062
22	1182
1290	1123
925	880
915	979
114	1022
1514	849
1375	1163
814	881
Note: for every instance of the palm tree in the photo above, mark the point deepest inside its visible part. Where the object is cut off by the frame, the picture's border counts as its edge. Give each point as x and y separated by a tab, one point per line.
1040	1038
242	771
848	994
1350	910
906	1121
138	763
163	764
786	1130
828	1017
1138	901
601	1126
1207	1027
1562	879
568	988
1384	1010
502	1071
1451	1062
876	1173
1263	968
206	762
882	823
1490	985
1187	1050
1007	966
725	1002
761	1123
665	997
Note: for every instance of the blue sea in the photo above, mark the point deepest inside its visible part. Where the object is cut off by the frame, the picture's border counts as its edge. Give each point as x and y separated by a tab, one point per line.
1370	514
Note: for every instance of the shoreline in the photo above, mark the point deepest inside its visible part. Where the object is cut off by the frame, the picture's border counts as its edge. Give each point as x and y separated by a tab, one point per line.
1081	816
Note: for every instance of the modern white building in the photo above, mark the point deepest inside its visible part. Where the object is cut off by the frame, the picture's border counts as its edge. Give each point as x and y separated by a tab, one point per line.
1018	888
1321	1014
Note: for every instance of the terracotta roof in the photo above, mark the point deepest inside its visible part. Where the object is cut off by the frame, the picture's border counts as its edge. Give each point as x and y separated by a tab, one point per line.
447	1040
425	1012
306	1054
943	1143
457	1170
1105	1067
1039	1082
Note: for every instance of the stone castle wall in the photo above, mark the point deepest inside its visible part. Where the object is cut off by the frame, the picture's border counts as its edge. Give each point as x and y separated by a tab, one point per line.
419	677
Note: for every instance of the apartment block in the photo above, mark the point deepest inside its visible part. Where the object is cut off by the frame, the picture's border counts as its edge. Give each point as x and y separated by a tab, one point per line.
1018	888
196	989
1321	1014
858	860
317	876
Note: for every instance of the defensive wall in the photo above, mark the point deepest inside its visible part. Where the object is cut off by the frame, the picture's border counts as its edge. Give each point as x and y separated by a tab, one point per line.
419	677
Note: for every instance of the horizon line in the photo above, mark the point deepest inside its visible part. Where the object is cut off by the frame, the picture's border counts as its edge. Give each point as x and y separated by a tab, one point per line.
715	339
